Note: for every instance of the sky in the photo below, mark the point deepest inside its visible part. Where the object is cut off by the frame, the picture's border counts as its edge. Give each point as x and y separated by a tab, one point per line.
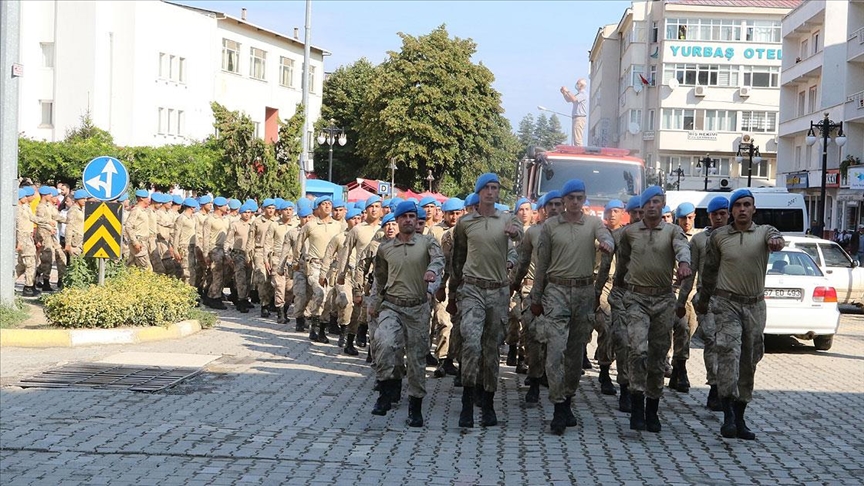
532	48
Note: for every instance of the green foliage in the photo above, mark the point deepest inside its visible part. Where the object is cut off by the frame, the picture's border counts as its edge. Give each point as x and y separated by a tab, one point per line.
88	131
554	134
12	315
83	272
132	298
205	318
848	161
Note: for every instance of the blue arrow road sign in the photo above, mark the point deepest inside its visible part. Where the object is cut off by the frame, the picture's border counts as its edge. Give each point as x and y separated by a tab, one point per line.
105	178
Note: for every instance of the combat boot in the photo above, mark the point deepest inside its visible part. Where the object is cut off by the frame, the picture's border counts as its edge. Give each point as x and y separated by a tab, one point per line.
215	304
349	349
265	310
333	327
521	367
637	411
439	372
313	336
652	421
569	418
29	291
559	419
624	399
361	335
322	335
713	402
382	405
533	395
673	377
487	413
232	297
586	363
415	412
729	430
46	286
743	431
606	386
300	324
241	306
395	391
466	417
280	315
683	381
478	395
341	341
449	367
253	296
511	355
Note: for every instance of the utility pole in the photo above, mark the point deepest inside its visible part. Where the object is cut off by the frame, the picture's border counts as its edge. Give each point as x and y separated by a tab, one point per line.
10	70
304	86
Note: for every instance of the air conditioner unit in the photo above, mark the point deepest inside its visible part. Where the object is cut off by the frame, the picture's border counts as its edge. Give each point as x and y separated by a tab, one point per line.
744	91
699	91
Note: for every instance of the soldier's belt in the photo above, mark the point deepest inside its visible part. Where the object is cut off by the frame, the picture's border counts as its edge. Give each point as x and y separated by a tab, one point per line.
572	282
484	284
639	289
404	302
741	299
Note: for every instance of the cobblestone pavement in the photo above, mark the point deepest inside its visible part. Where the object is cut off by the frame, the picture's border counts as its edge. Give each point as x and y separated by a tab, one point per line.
276	409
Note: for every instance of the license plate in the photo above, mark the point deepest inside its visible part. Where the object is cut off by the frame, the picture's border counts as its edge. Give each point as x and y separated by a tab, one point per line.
783	294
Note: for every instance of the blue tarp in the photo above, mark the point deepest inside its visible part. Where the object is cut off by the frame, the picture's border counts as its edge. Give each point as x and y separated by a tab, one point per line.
317	187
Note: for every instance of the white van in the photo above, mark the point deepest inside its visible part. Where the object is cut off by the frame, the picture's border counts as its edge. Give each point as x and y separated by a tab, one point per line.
778	207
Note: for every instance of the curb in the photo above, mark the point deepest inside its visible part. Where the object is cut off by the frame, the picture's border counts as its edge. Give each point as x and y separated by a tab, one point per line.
70	338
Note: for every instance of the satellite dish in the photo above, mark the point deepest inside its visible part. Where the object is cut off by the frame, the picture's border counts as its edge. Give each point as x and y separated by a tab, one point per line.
633	128
673	84
637	88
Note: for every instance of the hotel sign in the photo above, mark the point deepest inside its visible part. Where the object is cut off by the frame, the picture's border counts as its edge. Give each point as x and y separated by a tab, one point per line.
701	135
855	176
832	178
796	180
695	51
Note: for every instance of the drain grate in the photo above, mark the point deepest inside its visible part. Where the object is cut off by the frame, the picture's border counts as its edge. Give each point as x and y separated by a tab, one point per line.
110	376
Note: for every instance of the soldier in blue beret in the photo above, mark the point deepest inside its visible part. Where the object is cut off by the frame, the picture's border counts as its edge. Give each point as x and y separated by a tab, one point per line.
685	317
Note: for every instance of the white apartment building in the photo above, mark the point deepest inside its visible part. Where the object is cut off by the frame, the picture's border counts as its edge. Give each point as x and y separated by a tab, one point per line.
148	70
679	81
824	73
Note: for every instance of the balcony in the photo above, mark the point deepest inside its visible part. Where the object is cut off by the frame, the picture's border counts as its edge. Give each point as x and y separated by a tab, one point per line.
804	70
854	109
855	46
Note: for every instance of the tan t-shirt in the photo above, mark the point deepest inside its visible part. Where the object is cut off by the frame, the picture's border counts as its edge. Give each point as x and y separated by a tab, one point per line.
185	233
137	226
736	261
356	240
647	256
238	235
481	247
316	234
528	254
75	227
400	266
215	232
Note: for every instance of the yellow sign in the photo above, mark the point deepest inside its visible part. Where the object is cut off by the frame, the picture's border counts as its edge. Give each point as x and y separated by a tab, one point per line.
102	229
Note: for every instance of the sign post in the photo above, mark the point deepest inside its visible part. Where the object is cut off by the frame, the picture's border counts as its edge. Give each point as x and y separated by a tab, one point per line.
106	179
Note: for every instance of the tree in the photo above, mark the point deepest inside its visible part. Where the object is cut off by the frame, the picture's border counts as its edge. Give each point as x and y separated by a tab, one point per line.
554	134
541	129
343	98
430	108
526	135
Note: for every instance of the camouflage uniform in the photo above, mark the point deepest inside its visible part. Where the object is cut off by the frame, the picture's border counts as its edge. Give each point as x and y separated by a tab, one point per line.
339	301
185	235
152	241
236	242
52	253
215	235
260	262
317	233
705	321
614	312
75	230
136	231
441	324
684	327
273	246
24	221
356	241
535	345
202	271
165	219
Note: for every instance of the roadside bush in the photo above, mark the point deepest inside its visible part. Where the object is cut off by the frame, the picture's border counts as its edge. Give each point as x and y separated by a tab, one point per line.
83	272
131	298
12	315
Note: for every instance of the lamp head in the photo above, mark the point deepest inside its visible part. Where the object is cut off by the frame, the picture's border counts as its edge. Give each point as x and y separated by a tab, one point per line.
343	139
321	138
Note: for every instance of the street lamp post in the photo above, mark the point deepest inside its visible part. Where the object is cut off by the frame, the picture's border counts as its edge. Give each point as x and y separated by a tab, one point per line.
825	127
748	147
706	164
392	176
430	178
331	135
543	108
680	173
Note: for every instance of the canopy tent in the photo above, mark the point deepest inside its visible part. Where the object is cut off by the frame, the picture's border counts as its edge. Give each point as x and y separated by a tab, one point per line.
318	187
359	194
438	197
408	193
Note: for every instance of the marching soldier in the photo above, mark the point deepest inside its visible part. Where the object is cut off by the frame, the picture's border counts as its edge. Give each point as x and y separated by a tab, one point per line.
75	225
339	305
733	289
404	268
605	353
452	210
515	339
648	253
300	288
236	246
136	230
52	253
205	204
183	241
260	262
25	245
156	201
215	235
273	242
165	218
685	318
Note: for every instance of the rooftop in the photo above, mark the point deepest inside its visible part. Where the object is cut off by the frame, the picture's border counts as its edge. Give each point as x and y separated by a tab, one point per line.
788	4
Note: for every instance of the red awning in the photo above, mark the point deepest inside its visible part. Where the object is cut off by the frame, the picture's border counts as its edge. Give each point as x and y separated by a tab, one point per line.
438	197
359	194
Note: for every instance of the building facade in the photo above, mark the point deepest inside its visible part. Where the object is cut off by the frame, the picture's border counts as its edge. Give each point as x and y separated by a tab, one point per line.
824	74
147	71
689	85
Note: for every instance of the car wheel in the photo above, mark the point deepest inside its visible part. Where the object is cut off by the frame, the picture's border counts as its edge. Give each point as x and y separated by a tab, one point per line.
823	343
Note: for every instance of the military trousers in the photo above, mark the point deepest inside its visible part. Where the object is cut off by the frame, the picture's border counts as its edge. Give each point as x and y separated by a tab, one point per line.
261	277
155	256
620	337
26	266
141	258
649	328
708	332
567	313
241	273
340	303
484	320
605	353
188	265
535	346
454	347
301	294
52	254
217	271
514	324
316	291
402	340
442	327
740	345
682	331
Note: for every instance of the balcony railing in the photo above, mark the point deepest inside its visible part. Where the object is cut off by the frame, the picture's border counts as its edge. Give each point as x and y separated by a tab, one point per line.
856	99
858	34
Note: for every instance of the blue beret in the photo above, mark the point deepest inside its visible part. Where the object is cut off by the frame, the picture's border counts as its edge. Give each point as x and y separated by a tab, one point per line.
220	201
421	213
405	207
191	202
453	204
80	194
520	202
22	193
684	209
234	204
427	201
123	197
651	192
502	207
738	194
414	200
372	200
278	201
280	205
553	194
142	193
541	201
177	200
246	207
485	179
573	185
718	203
268	202
304	211
666	210
353	213
157	197
395	202
338	203
614	204
319	200
472	200
389	218
55	192
304	202
385	202
45	191
533	206
205	199
634	203
28	190
289	204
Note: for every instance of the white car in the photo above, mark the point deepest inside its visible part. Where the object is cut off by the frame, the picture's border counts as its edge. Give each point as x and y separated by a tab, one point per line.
799	299
845	274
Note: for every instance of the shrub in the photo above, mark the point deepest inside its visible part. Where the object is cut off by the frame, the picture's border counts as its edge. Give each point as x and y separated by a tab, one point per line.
131	298
12	315
205	318
83	272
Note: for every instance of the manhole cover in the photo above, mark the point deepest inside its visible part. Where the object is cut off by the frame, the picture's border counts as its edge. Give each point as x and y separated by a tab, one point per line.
110	376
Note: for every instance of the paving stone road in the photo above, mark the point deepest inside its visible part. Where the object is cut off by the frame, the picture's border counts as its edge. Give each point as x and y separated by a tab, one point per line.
276	409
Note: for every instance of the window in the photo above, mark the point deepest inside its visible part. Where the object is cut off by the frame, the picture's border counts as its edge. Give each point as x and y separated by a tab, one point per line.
181	122
812	99
47	54
636	74
173	67
720	120
679	119
286	72
163	65
808	157
762	76
171	124
670	164
703	29
722	167
714	169
797	157
759	121
257	129
702	74
815	40
312	79
636	117
162	122
257	59
47	114
652	74
804	52
650	127
835	256
761	169
230	56
181	70
655	32
767	31
802	98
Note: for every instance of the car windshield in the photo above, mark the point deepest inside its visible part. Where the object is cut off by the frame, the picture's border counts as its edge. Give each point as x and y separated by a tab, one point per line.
792	263
835	256
604	180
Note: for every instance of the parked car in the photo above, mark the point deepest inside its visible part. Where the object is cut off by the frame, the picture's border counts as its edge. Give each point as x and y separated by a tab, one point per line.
799	299
845	274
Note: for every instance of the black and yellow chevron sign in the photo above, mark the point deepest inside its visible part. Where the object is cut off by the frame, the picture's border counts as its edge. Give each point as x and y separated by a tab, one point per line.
102	229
